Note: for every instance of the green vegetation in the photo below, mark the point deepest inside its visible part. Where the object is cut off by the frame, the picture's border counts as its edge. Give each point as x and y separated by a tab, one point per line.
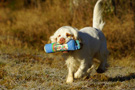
26	27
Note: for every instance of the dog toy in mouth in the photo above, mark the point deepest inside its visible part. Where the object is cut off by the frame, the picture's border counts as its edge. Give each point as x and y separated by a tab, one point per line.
55	47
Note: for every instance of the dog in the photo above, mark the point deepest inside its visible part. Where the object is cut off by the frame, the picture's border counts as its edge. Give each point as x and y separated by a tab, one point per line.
93	43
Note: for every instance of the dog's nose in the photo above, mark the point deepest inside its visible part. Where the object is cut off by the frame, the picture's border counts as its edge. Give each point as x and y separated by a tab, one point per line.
62	40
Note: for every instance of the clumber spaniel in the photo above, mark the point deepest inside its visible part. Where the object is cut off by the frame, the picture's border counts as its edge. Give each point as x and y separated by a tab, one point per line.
93	43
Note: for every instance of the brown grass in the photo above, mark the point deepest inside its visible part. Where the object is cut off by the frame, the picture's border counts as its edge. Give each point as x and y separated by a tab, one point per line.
33	27
120	35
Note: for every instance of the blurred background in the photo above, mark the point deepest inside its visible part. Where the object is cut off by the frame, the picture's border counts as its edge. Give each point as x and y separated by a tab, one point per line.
30	23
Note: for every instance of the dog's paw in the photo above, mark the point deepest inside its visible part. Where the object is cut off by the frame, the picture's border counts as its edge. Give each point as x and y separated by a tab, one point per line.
100	70
69	80
77	75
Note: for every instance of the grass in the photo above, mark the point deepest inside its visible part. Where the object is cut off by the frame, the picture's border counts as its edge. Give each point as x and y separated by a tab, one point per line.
24	32
32	28
42	71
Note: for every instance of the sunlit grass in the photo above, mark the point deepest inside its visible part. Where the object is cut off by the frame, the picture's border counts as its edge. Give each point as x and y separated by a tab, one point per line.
24	64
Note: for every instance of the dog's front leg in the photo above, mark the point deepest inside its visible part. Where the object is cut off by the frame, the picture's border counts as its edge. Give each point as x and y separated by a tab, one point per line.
70	75
70	65
82	70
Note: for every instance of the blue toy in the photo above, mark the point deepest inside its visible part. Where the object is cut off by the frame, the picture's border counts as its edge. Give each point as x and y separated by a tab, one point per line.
55	47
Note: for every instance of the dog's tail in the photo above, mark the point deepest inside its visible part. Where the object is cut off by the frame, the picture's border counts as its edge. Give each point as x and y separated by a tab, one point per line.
97	16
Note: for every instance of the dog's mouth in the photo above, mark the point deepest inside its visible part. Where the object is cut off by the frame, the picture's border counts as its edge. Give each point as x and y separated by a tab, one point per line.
65	42
65	51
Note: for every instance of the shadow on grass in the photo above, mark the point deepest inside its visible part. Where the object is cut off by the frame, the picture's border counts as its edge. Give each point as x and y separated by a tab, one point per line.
122	78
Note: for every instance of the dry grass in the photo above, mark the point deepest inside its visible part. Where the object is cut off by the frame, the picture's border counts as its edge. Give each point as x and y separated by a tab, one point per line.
31	70
24	65
33	27
120	35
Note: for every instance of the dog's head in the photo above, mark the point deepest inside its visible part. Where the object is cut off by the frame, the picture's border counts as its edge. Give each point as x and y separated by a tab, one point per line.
64	34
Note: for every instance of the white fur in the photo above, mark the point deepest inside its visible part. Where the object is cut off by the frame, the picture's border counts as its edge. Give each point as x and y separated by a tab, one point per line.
97	16
94	45
62	31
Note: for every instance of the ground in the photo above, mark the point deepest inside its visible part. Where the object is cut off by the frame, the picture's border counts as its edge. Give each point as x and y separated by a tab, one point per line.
27	69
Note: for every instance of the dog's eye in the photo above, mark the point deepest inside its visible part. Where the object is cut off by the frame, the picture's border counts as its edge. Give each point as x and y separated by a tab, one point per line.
68	35
59	35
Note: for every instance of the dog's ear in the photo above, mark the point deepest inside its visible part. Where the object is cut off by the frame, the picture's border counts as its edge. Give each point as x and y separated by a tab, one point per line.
75	34
53	39
75	38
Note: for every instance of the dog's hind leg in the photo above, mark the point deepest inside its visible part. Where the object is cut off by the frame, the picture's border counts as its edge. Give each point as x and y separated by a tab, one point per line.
103	59
102	66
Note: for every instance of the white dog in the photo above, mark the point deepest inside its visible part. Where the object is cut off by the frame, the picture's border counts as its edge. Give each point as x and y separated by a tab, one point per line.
93	46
